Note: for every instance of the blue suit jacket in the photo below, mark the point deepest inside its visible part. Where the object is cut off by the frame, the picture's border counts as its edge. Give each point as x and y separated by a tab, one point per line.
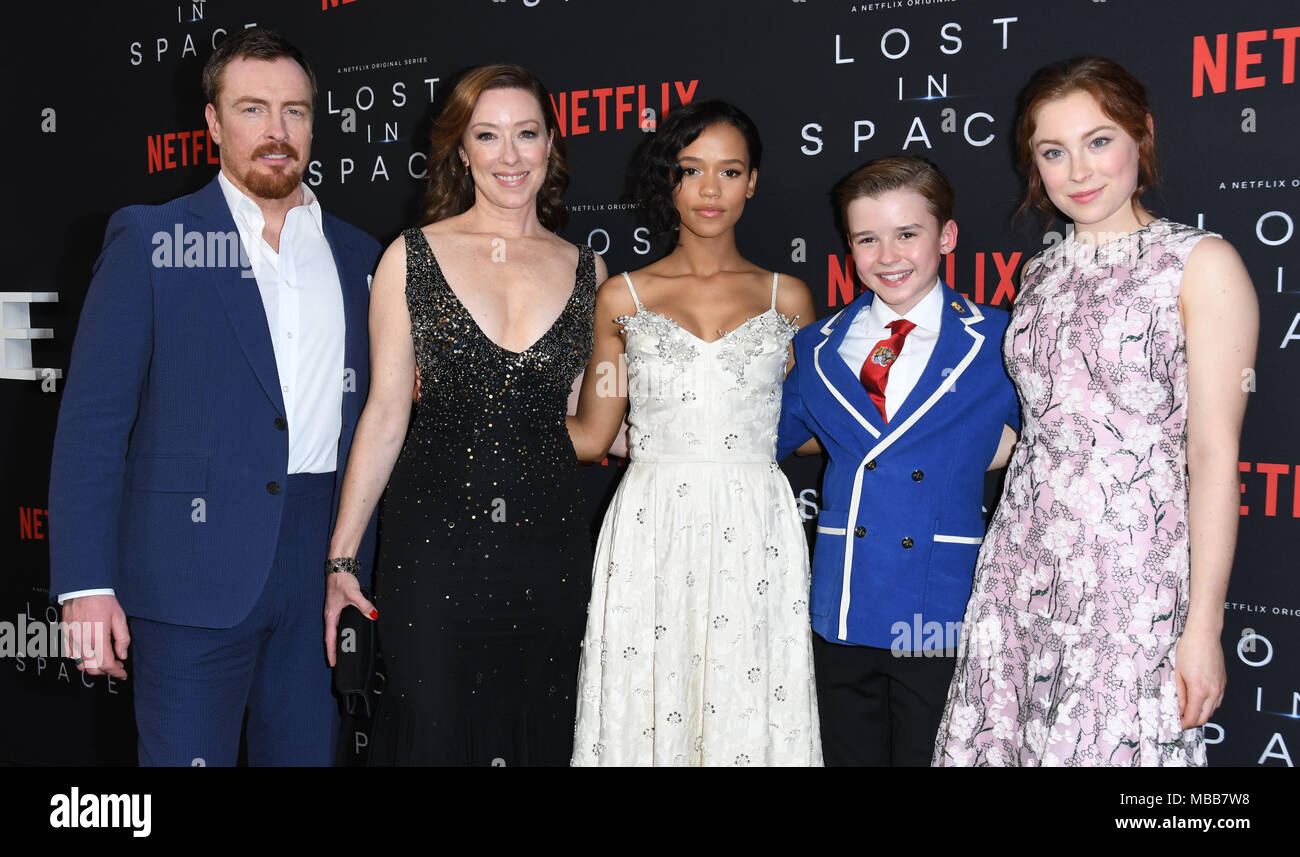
173	398
901	522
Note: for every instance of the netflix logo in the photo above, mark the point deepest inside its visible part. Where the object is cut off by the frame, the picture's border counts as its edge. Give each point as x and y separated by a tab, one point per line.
1249	69
1273	474
993	276
613	108
180	149
334	4
31	523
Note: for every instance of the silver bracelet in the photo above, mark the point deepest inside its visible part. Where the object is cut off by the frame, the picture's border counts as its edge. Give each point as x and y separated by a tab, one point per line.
348	564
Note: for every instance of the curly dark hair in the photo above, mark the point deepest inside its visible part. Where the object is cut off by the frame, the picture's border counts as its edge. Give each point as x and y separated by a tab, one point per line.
658	174
451	189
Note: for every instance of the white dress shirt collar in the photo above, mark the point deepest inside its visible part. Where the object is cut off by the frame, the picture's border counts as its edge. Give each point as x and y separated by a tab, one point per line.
927	314
243	208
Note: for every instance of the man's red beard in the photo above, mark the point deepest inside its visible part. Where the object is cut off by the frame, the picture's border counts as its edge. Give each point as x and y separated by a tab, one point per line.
279	182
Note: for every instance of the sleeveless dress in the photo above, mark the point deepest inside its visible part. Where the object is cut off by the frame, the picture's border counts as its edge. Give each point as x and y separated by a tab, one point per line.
484	558
698	647
1081	590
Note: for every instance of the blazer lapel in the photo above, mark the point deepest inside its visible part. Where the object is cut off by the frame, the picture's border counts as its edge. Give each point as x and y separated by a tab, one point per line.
960	339
835	375
239	294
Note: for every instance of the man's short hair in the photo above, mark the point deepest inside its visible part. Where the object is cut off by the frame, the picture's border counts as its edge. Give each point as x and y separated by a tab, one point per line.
259	43
899	172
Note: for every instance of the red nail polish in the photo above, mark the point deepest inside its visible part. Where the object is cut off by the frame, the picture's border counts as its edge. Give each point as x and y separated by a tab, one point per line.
374	614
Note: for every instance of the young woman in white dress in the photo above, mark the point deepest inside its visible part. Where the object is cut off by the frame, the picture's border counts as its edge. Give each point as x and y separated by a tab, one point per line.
697	649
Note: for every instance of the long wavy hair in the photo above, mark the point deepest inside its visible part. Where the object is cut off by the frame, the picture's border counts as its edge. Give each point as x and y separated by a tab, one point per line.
451	188
1121	96
658	174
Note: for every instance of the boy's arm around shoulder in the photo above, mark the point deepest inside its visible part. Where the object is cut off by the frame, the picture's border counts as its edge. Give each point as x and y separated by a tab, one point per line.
795	431
1007	401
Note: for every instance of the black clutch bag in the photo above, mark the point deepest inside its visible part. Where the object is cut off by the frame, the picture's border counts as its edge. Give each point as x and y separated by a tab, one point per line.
354	658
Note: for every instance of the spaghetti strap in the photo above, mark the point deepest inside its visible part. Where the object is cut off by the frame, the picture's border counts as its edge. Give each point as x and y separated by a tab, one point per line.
636	299
775	277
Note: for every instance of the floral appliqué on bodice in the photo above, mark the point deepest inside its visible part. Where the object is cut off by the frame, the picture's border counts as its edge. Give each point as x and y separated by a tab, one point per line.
688	396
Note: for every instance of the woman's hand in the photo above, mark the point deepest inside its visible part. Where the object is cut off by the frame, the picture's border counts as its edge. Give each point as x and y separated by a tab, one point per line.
342	589
1220	314
1200	674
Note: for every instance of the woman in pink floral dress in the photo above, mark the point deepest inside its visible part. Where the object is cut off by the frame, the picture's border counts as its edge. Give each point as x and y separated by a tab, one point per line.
1092	634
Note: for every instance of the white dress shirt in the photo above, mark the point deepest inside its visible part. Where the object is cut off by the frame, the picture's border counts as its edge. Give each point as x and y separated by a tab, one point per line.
871	326
304	312
303	301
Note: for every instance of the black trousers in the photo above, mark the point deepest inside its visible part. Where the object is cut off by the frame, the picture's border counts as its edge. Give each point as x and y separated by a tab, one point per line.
879	708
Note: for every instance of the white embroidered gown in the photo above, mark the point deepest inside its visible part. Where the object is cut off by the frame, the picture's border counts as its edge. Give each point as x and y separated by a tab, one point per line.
698	648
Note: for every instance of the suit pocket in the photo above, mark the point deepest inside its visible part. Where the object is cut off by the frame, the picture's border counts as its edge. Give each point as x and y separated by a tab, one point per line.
952	565
828	561
170	473
831	523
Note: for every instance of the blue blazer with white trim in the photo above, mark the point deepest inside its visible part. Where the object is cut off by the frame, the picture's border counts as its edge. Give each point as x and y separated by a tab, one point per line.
901	523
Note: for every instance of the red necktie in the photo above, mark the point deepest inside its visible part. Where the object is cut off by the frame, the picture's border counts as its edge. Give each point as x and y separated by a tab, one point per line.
875	372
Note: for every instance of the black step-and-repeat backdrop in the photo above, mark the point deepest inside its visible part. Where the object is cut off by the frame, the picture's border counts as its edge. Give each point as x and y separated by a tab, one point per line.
105	110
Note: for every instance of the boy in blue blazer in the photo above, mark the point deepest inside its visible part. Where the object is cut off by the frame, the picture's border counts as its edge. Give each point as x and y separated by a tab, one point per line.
906	391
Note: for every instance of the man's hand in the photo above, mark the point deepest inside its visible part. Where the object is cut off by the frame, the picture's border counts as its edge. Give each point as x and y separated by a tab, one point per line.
95	631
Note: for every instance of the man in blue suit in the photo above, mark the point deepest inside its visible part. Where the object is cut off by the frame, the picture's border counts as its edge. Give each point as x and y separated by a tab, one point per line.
218	372
906	391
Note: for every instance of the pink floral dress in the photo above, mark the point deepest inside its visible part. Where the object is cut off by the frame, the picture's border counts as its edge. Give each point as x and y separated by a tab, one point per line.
1081	590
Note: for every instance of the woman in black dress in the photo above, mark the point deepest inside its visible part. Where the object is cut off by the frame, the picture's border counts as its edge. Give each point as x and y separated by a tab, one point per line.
483	570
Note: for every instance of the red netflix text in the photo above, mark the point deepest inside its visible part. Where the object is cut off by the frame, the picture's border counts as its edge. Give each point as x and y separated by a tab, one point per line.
1249	70
584	111
993	276
181	149
1273	475
31	522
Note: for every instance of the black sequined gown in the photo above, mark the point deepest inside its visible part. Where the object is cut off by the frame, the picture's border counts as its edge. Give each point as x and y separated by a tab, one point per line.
485	560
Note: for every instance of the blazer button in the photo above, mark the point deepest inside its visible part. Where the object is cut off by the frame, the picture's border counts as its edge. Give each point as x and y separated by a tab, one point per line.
917	475
859	531
273	487
871	465
907	543
281	424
